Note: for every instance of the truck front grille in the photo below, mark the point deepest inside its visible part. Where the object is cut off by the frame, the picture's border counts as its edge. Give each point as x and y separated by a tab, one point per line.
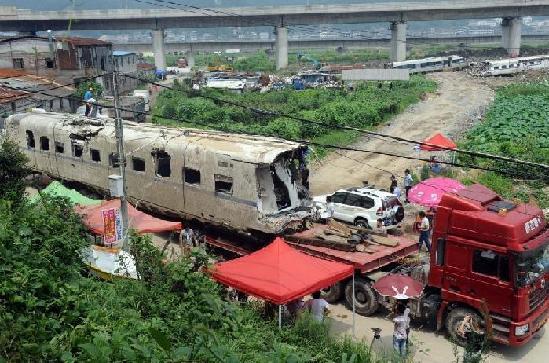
537	297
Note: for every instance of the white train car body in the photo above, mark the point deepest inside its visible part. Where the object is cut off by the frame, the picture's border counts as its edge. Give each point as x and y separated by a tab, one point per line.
247	183
432	64
508	66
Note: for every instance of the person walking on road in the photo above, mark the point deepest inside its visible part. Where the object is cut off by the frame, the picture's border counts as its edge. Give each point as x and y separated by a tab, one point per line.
399	333
424	228
408	181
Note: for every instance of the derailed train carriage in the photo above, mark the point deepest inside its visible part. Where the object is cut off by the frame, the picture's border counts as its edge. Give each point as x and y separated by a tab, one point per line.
246	183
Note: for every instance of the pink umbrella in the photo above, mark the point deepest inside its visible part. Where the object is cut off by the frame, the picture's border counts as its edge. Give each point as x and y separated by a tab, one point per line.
429	192
398	286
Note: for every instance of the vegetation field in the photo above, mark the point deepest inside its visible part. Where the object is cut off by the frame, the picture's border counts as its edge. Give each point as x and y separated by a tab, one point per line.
367	106
517	125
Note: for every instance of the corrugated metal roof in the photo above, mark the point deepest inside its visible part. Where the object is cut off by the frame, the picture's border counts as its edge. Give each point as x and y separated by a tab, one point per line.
24	37
8	72
48	88
77	41
10	95
121	53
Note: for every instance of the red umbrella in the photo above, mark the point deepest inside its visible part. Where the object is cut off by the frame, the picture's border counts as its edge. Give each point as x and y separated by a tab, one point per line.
398	286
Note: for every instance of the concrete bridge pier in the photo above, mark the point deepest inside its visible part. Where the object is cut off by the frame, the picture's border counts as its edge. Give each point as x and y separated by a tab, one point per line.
281	47
190	58
159	49
398	41
511	34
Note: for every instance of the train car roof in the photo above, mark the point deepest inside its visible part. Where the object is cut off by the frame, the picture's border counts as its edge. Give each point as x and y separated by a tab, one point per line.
247	148
519	59
429	59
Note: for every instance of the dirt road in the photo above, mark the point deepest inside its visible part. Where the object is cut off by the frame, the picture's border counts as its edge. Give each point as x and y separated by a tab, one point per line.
458	100
428	347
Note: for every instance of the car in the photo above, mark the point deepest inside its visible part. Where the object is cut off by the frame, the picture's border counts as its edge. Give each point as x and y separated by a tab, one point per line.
364	207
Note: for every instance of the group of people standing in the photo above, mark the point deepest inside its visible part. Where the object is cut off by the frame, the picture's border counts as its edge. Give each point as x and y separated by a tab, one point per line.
407	183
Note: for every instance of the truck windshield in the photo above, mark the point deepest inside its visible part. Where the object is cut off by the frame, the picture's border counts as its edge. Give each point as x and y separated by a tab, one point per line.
531	265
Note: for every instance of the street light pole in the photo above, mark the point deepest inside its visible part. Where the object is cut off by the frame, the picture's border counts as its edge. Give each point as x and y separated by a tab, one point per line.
119	132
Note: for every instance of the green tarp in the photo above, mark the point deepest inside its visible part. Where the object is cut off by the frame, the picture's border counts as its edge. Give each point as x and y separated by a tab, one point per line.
59	190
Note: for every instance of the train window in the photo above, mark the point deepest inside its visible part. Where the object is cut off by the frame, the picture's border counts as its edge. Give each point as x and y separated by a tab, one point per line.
138	164
30	140
59	147
95	155
77	150
162	163
44	143
223	184
191	176
113	160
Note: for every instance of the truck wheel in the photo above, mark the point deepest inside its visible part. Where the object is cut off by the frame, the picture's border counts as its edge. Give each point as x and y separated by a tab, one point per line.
453	321
365	297
362	222
333	293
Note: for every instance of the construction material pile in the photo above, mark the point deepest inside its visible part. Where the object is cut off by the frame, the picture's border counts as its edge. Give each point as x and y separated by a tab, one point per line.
343	237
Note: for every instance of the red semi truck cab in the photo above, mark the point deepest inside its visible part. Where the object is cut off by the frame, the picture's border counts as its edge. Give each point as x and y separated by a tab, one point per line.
490	257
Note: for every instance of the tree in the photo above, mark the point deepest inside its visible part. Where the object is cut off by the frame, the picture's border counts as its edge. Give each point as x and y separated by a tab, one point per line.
12	171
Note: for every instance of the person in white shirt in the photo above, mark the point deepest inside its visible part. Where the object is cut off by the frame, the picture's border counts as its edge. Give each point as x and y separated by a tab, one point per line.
330	209
317	306
408	181
399	334
424	228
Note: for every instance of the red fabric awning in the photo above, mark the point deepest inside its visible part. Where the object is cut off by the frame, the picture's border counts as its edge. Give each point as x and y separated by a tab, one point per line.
141	222
279	273
439	142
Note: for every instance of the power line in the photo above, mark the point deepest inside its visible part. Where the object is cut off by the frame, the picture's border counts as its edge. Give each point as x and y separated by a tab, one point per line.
350	128
330	146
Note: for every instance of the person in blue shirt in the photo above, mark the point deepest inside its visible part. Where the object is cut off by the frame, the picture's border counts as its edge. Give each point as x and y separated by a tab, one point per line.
87	96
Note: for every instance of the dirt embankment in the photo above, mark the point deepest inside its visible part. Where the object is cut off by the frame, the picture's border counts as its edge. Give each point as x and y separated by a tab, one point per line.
458	103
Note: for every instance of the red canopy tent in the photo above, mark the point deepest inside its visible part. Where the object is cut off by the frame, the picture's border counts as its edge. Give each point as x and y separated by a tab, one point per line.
279	273
139	221
438	142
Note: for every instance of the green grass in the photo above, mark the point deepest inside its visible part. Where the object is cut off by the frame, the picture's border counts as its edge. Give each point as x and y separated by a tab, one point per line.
516	126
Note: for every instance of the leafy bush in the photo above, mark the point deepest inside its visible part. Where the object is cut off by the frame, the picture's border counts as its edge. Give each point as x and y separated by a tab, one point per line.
369	106
86	85
12	172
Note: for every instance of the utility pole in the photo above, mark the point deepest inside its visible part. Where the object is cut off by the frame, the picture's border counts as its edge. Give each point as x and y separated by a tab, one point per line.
119	131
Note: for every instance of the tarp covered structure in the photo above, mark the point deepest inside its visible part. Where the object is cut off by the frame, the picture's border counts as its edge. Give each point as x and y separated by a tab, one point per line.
438	142
141	222
279	273
59	190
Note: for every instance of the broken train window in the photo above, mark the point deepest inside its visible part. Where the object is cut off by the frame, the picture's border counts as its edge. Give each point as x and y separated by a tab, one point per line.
113	160
30	140
191	176
223	184
95	155
77	149
162	161
59	147
138	164
44	143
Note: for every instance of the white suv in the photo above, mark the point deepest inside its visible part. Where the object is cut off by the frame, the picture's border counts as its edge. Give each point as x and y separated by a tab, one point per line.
364	206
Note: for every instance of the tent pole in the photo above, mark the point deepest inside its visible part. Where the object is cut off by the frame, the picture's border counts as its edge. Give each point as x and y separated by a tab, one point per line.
279	316
354	304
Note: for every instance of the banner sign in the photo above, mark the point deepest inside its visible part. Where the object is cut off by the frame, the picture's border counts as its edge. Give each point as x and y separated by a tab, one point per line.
112	223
